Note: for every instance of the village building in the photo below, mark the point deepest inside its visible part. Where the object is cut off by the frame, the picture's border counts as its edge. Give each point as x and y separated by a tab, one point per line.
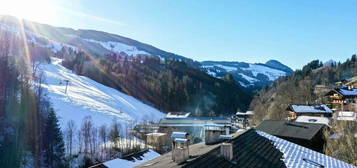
158	141
305	134
321	89
349	83
318	110
141	130
344	96
129	161
343	99
251	148
244	119
346	116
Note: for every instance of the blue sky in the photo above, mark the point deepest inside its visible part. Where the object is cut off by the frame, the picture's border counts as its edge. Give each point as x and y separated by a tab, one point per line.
293	32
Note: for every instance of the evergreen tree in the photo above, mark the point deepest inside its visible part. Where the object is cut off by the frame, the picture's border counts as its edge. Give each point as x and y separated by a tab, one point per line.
53	143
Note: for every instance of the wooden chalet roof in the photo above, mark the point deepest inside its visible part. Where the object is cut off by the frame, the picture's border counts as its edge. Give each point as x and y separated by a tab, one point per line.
251	149
289	129
343	92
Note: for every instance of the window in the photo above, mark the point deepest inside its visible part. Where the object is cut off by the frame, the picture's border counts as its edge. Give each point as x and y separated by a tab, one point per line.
312	120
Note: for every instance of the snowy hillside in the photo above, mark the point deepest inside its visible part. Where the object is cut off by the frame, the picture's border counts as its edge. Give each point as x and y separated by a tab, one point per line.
86	97
247	74
119	47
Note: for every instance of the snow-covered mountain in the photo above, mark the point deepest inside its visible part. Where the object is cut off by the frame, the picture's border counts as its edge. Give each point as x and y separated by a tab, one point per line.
85	97
92	41
247	74
101	43
101	46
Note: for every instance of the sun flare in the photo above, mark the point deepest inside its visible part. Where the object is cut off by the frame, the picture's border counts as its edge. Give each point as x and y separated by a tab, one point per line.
36	10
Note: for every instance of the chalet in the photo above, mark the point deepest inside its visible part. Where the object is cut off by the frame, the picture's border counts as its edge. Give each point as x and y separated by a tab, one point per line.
156	138
159	141
249	149
305	134
244	118
343	99
348	83
296	110
141	130
129	161
246	115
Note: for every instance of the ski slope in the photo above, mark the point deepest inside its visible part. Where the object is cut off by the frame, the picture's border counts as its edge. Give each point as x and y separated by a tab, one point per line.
86	97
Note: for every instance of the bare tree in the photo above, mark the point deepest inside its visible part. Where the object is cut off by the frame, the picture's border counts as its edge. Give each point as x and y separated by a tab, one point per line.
80	143
70	131
114	133
93	142
86	129
103	137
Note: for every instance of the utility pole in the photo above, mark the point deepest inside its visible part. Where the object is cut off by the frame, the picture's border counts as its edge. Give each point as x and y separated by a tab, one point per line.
67	81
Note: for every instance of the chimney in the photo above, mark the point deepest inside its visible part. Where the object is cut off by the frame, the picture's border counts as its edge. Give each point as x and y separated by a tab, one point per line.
212	133
227	151
227	129
180	147
226	147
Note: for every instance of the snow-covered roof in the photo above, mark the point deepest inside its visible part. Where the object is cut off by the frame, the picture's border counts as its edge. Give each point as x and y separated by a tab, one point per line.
246	113
225	137
346	115
347	92
313	119
321	108
180	140
193	121
299	156
177	115
156	134
124	163
179	135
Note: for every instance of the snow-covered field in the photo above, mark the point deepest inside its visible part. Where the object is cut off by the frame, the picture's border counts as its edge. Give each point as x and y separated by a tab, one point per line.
86	97
272	74
119	47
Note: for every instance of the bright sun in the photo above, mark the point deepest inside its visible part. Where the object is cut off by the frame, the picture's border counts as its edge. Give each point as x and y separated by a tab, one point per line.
35	10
